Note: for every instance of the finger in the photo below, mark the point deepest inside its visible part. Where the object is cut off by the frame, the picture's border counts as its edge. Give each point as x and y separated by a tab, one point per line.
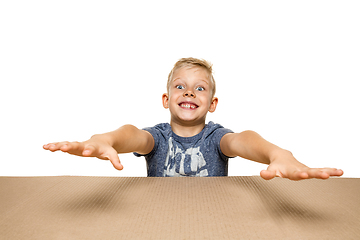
338	173
298	175
267	174
64	146
89	151
317	173
46	146
310	173
113	156
74	148
333	171
53	146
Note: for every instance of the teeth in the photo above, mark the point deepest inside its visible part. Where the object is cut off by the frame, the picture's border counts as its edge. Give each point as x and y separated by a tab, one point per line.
187	105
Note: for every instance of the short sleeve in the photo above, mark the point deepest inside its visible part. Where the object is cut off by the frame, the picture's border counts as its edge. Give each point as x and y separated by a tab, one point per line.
154	133
218	137
217	133
158	133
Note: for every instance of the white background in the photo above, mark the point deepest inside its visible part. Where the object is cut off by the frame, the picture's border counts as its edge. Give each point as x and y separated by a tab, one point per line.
288	70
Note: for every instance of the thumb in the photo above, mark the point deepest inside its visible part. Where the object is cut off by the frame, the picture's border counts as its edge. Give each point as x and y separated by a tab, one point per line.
113	156
267	174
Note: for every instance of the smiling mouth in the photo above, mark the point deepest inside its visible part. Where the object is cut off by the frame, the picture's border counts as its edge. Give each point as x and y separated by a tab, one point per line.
188	105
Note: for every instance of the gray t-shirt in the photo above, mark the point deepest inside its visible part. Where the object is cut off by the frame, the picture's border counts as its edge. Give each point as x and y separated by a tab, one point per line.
199	155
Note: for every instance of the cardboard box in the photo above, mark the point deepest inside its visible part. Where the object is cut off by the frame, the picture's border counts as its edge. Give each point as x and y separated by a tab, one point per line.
178	208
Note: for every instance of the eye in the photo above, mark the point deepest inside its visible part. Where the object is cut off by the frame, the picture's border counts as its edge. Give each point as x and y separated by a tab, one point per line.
179	87
200	89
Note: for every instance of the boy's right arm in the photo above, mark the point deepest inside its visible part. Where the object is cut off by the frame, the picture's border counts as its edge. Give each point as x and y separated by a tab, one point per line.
106	146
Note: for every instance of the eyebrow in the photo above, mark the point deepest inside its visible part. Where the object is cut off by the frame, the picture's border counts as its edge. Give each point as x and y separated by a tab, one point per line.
207	82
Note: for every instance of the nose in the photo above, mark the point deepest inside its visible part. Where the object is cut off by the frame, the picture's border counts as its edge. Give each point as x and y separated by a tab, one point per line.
189	94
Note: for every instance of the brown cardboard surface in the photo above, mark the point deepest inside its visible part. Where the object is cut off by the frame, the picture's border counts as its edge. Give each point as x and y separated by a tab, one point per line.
178	208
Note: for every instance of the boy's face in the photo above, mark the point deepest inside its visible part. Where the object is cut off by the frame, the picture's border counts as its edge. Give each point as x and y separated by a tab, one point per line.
189	96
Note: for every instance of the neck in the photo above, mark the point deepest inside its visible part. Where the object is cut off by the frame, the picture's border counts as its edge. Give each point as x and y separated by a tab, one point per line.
186	130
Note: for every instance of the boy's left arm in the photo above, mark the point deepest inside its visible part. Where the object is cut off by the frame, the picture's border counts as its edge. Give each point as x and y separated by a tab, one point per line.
252	146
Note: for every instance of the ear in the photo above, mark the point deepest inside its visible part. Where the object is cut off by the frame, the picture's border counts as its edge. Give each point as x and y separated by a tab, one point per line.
213	104
165	100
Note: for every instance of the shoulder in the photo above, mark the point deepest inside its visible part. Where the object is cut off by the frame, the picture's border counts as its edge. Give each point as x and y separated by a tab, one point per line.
161	129
163	126
215	132
215	128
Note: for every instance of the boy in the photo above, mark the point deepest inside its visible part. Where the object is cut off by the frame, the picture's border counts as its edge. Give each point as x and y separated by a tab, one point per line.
187	146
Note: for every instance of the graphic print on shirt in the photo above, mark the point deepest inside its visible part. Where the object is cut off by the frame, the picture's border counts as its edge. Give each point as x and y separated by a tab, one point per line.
184	163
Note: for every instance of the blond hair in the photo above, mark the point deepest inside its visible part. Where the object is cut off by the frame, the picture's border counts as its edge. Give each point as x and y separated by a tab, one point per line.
190	63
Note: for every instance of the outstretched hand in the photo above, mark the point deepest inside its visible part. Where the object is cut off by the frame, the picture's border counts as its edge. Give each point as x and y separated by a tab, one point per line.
289	167
87	149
